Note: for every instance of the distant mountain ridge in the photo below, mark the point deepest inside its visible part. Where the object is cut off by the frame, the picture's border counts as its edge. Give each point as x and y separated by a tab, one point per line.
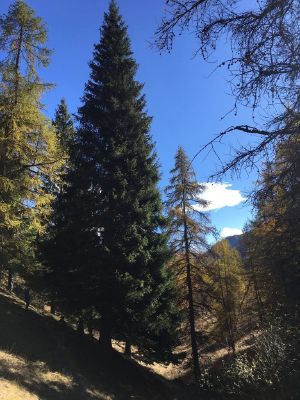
237	242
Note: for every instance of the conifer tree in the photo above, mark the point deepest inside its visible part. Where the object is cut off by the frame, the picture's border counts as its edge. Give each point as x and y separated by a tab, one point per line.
274	239
110	226
47	278
28	150
64	125
65	132
226	279
189	227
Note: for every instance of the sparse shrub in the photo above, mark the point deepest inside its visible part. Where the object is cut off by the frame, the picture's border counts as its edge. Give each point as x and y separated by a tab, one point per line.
266	370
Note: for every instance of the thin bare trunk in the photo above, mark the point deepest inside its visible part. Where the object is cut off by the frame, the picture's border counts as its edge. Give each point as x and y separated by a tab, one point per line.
10	281
105	334
230	322
195	354
127	350
257	295
17	65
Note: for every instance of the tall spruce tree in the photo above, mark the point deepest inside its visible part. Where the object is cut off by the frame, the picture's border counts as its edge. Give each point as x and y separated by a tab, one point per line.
188	229
109	241
64	125
28	151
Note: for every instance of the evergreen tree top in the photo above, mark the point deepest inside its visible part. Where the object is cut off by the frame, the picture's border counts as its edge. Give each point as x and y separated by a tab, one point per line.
113	7
112	85
64	124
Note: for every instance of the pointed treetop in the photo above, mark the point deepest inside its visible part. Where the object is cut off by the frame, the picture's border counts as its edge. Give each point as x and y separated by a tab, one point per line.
64	124
181	154
183	164
113	17
113	6
113	11
22	37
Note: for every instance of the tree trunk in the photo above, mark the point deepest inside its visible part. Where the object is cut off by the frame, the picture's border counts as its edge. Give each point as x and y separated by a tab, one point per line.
231	324
80	327
196	363
257	296
90	327
105	337
10	280
52	307
17	65
127	351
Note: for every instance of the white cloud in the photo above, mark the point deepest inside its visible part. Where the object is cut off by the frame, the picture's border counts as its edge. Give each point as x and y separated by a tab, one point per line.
219	195
225	232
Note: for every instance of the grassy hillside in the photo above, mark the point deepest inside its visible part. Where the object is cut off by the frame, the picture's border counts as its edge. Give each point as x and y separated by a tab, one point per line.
39	359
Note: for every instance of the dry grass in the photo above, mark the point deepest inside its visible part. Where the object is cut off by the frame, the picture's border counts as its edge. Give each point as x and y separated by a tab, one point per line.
40	360
12	388
20	376
13	391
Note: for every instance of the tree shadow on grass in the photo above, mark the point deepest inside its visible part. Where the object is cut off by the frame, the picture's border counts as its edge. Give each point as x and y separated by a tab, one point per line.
54	363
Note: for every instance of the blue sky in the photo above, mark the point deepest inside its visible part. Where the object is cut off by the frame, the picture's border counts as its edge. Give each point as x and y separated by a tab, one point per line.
185	97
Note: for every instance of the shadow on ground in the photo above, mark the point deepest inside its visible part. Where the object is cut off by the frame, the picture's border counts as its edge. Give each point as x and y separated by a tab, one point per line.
53	363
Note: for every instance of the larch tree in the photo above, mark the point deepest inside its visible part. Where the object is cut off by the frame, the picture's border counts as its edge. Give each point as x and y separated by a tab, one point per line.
189	226
28	151
226	278
274	238
110	241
